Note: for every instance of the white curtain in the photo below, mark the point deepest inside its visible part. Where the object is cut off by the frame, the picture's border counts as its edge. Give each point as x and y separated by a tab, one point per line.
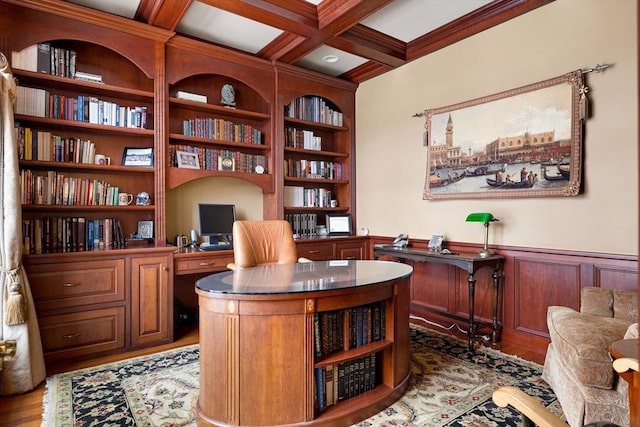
19	323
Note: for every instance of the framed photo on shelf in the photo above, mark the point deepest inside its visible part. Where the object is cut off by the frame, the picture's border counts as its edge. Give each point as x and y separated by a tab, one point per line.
187	160
145	229
133	156
339	225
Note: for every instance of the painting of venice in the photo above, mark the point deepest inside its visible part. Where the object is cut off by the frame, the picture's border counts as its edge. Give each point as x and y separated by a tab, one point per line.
521	143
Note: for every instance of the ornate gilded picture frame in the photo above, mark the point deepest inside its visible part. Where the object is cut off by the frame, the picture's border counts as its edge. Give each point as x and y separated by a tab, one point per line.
525	142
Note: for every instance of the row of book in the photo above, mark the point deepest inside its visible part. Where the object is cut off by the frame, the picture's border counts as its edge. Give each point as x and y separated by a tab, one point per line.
315	109
335	383
52	234
298	138
213	159
296	197
320	169
45	146
87	109
302	225
221	129
44	58
366	325
55	188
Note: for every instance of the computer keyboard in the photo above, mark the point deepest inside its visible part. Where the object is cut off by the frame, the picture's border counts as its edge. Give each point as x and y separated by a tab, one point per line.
218	247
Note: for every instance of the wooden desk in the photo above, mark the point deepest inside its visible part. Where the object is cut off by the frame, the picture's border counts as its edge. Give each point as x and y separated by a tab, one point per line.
629	348
260	336
469	262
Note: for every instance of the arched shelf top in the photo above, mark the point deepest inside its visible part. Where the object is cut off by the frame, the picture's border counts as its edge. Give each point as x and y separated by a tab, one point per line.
113	65
314	108
210	86
179	176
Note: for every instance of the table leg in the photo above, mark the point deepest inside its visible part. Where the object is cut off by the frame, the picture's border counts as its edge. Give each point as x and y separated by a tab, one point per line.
471	332
495	327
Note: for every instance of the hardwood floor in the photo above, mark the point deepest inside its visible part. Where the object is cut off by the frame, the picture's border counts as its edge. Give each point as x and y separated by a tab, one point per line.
26	409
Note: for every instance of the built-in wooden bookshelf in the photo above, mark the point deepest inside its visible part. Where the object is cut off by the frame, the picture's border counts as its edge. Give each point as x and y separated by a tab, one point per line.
317	146
229	140
347	346
86	97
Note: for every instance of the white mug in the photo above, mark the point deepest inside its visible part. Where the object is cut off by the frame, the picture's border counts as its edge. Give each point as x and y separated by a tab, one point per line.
101	159
125	199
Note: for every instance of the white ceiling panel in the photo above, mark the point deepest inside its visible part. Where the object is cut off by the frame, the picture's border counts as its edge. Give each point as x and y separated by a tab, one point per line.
407	20
126	8
225	28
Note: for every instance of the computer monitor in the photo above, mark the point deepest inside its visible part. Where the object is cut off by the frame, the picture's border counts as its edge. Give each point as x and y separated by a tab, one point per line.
216	221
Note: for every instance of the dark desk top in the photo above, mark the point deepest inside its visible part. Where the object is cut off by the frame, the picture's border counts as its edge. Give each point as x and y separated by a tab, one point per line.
465	260
303	277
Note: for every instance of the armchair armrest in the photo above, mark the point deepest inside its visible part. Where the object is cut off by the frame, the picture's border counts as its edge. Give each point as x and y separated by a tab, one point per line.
527	406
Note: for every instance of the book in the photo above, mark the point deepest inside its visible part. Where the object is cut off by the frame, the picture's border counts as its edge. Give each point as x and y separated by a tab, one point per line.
189	96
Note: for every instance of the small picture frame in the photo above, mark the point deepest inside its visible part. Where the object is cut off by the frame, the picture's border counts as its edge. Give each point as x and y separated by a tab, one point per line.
435	244
187	160
339	225
145	229
133	156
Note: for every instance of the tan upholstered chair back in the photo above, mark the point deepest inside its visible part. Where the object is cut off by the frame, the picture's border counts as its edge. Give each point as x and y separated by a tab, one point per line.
263	242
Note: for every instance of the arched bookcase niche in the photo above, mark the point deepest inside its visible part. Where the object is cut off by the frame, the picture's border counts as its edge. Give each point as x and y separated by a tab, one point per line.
78	99
317	159
226	140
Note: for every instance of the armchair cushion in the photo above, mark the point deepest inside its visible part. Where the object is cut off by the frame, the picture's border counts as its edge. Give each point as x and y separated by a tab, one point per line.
584	350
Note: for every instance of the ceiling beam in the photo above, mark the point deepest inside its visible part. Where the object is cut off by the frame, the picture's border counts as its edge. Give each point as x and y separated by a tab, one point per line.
296	16
371	44
162	13
336	17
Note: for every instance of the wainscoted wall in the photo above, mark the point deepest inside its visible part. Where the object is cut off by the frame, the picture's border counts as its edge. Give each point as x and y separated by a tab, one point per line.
533	280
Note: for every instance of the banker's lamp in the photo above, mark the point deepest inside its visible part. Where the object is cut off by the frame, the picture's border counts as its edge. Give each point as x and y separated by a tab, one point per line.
486	218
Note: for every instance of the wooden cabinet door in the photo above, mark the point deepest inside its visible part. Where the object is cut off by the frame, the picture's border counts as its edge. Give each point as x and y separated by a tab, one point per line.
350	250
151	300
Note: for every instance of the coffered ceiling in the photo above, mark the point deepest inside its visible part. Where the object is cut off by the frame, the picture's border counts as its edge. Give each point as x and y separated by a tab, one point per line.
351	39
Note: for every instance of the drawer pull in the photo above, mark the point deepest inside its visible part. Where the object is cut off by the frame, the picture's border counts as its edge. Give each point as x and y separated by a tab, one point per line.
204	264
67	337
70	285
350	257
314	252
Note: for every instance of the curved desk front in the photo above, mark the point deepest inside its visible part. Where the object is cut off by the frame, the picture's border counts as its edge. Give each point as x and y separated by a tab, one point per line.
258	354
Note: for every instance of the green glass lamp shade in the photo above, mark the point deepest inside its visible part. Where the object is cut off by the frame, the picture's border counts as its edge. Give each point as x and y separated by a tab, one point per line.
485	218
480	217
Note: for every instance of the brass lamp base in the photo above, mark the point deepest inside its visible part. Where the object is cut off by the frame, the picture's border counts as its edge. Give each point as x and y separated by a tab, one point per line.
484	253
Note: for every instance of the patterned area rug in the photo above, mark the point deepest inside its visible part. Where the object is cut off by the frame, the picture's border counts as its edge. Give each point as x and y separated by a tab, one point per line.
449	387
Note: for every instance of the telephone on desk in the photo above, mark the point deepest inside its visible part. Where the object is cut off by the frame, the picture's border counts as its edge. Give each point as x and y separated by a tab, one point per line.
402	241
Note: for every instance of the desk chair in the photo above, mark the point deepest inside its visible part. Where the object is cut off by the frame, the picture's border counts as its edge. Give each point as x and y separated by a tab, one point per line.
263	242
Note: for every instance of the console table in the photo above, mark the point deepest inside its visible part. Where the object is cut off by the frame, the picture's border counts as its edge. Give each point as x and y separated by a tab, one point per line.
469	262
259	341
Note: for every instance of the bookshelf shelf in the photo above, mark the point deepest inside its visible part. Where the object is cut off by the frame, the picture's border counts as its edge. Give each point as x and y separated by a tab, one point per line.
353	353
87	167
67	84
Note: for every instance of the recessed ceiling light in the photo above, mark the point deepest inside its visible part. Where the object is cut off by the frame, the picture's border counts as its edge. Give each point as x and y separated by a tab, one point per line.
330	58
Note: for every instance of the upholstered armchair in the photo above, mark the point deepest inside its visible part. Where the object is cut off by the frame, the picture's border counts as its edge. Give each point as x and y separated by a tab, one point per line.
578	366
263	242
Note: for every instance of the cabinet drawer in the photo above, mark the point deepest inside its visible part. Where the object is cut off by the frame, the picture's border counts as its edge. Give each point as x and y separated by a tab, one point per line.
83	333
316	251
201	264
77	284
353	250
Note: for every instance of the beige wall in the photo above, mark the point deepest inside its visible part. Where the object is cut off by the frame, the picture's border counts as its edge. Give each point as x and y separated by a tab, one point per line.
555	39
182	202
